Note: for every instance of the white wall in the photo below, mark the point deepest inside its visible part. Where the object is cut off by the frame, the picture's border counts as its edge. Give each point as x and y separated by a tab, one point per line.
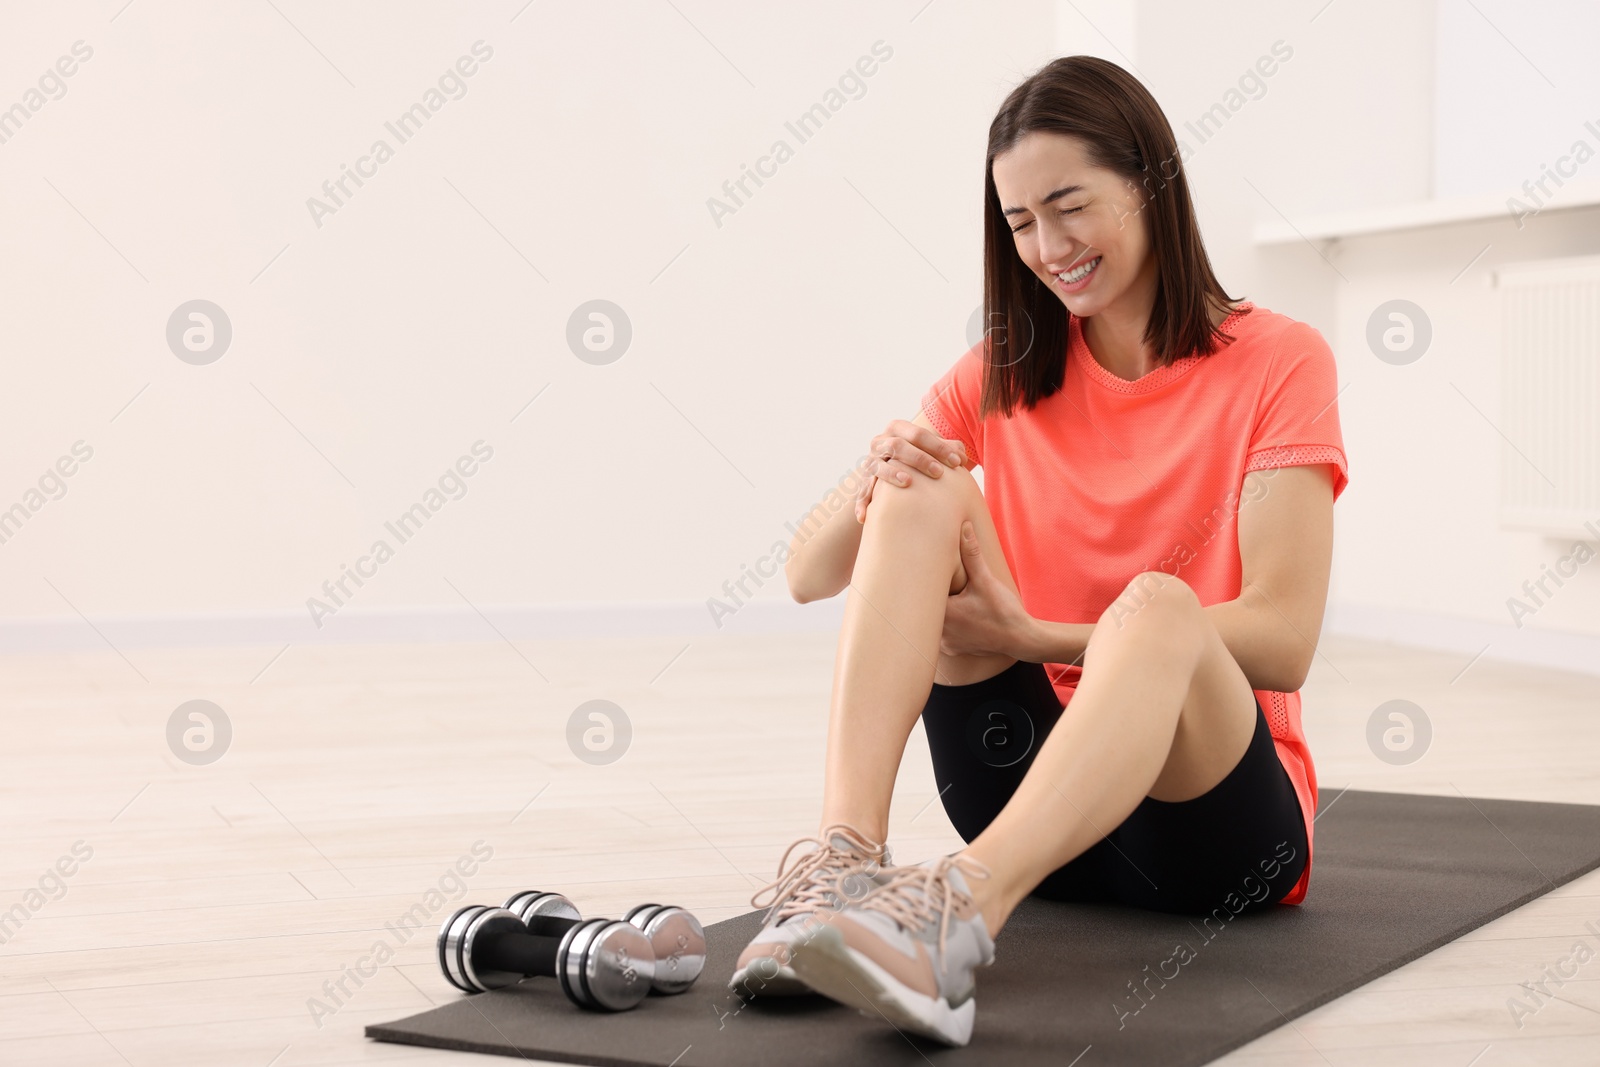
1349	122
371	352
374	350
1515	93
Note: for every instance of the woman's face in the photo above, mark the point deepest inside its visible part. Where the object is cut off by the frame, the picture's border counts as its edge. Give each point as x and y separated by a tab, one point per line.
1066	215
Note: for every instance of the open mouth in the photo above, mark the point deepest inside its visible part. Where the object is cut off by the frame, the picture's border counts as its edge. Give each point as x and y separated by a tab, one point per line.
1079	273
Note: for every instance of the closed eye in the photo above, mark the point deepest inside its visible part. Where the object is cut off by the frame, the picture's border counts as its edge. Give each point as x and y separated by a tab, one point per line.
1068	211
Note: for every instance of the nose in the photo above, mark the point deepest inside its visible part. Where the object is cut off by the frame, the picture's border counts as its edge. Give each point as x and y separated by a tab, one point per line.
1057	251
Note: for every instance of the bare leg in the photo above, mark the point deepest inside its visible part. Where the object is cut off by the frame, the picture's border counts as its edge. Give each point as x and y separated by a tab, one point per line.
908	563
1162	709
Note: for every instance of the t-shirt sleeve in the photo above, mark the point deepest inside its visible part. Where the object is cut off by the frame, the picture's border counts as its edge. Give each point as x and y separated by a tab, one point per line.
1297	421
951	404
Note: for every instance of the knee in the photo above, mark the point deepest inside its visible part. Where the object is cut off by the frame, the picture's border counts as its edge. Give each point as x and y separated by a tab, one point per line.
1153	598
948	495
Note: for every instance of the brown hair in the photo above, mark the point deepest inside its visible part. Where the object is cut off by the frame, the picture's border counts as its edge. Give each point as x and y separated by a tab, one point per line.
1123	129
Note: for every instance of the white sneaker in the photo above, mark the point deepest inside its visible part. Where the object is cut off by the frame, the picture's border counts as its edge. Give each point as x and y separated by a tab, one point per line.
905	952
812	883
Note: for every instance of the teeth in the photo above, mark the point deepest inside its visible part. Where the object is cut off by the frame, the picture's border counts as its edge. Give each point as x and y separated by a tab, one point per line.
1080	273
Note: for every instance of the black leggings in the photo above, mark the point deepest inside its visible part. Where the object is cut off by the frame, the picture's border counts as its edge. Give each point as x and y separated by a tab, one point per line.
1244	840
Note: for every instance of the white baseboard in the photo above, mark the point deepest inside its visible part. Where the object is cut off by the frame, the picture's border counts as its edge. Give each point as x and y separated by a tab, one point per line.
1536	647
354	625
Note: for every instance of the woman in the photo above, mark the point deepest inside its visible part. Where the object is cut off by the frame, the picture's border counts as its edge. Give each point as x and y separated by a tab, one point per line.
1150	551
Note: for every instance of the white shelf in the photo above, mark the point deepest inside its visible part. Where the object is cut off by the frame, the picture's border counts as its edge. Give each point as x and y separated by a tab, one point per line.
1396	217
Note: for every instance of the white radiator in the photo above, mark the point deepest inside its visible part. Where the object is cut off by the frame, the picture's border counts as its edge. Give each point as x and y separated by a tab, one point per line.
1550	396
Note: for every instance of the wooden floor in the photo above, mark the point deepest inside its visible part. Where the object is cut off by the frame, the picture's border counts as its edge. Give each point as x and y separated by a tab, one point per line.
217	900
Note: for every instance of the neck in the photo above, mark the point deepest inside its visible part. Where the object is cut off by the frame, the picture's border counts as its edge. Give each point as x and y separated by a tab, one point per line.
1115	334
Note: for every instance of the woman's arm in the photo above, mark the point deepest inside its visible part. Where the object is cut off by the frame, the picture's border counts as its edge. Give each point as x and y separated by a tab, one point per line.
822	554
1057	642
821	559
1286	557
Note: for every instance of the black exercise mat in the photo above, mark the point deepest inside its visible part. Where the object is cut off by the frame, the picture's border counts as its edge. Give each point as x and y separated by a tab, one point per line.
1395	876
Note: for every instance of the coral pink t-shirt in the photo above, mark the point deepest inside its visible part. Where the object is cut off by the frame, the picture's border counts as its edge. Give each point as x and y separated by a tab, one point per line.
1107	478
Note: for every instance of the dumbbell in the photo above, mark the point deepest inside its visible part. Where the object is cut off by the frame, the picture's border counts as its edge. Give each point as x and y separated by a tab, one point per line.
675	934
600	963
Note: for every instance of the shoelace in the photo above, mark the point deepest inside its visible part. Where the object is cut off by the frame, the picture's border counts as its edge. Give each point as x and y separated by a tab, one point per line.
806	885
908	896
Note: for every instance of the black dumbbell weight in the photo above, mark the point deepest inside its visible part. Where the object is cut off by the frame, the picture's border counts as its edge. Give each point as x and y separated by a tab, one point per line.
602	964
676	935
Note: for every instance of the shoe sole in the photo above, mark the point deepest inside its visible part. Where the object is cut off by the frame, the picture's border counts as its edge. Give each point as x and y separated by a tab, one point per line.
783	983
829	966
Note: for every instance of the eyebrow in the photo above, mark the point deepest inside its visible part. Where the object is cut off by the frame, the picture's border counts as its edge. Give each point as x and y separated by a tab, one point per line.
1065	190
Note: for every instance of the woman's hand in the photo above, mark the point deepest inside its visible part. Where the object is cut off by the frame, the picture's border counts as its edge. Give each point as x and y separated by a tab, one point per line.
897	452
986	616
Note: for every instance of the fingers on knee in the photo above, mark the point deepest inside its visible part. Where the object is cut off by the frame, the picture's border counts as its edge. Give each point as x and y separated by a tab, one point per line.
948	493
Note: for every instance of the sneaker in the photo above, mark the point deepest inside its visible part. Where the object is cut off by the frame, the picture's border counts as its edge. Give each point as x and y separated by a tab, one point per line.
905	951
811	883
